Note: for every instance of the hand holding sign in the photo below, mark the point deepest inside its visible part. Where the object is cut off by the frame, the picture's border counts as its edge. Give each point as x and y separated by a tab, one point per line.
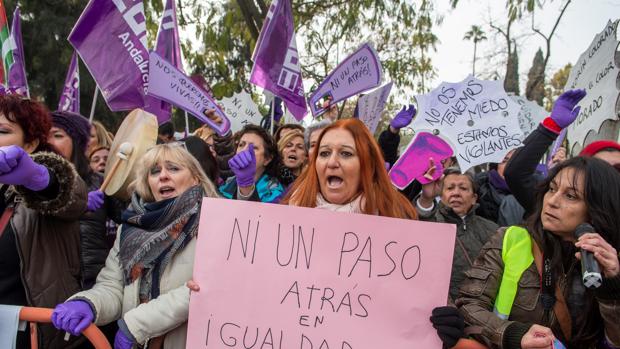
413	164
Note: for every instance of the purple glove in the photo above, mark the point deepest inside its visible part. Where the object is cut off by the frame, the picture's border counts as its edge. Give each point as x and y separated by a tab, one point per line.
564	111
18	168
243	166
404	117
95	200
121	341
72	316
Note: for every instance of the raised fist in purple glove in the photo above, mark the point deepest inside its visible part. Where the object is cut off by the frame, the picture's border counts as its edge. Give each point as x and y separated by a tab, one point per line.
72	316
95	200
403	118
121	341
18	168
243	166
564	111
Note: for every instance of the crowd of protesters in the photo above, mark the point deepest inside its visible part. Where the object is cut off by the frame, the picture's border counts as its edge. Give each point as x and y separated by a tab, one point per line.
127	265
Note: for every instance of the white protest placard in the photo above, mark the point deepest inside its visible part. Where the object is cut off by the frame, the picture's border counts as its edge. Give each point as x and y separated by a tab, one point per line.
371	106
283	277
476	116
530	115
241	110
596	71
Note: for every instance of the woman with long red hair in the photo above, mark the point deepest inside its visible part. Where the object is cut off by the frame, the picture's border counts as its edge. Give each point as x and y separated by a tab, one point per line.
347	173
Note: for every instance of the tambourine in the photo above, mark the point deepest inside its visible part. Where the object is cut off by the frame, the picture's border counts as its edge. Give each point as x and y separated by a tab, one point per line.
136	135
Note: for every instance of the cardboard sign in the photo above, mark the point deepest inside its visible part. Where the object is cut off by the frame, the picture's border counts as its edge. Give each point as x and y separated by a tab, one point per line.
371	106
359	72
414	162
241	110
171	85
596	71
275	276
476	116
530	115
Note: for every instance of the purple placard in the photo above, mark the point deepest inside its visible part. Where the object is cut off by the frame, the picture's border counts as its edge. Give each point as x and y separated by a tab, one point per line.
168	47
359	72
171	85
414	162
110	37
276	61
70	97
556	145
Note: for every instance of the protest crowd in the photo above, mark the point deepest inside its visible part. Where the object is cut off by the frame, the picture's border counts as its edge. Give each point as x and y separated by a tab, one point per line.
535	261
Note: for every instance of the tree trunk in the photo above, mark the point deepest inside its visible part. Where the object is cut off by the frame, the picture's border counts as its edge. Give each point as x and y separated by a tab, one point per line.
473	69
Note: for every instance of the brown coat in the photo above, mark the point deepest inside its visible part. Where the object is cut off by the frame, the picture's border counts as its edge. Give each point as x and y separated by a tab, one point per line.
478	292
48	239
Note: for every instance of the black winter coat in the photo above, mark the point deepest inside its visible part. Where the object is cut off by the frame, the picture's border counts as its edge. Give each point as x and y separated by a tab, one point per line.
520	172
94	240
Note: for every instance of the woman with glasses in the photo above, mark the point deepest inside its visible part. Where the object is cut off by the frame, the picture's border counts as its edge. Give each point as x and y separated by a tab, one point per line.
142	285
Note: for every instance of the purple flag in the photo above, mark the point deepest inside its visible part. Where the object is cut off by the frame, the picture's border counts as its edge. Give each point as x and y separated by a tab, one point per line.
70	98
17	72
110	37
276	62
357	73
167	47
172	85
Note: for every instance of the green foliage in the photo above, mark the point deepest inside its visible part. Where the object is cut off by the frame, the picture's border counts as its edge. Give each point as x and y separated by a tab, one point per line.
226	33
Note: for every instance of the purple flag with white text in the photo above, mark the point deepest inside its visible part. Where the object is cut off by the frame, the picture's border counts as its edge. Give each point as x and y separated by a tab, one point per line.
110	37
18	83
276	61
70	97
168	47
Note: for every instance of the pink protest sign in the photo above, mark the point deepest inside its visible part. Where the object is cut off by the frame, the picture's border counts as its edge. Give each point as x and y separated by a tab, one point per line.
415	161
286	277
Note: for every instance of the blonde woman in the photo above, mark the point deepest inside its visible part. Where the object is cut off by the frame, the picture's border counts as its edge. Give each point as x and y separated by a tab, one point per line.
143	282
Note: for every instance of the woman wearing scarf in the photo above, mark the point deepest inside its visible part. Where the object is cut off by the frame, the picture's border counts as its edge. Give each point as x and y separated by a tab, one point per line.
143	282
293	156
346	173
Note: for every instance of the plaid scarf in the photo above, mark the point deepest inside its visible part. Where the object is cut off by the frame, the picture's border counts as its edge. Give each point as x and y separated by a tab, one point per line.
151	235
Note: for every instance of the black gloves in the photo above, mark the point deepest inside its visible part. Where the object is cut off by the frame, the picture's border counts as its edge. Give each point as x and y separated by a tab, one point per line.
449	324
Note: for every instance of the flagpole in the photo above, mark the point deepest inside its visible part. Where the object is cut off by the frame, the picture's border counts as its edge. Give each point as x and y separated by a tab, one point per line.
93	105
186	125
273	111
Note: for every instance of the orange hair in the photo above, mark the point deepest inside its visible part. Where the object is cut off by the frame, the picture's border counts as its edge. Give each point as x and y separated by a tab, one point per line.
380	197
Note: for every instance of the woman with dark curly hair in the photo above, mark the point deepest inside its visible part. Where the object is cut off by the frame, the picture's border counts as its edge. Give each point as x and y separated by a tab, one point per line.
525	289
255	168
41	200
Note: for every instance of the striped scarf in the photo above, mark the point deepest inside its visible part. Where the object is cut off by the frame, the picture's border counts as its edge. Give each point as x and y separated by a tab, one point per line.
151	235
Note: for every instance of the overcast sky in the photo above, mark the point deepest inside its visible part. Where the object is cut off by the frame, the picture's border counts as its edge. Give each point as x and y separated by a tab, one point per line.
581	22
